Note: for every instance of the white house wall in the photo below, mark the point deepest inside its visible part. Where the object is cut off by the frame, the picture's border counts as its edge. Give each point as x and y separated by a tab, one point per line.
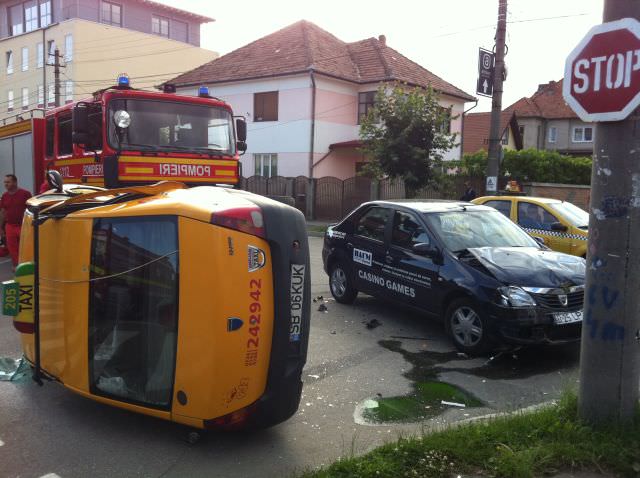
289	137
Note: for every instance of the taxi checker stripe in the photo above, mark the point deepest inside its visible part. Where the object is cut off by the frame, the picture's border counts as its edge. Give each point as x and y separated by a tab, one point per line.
565	235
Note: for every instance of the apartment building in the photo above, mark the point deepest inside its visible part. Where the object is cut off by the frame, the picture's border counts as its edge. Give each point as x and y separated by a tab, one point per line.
96	40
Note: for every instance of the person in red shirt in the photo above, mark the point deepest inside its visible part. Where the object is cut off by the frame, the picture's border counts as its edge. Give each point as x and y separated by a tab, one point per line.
13	204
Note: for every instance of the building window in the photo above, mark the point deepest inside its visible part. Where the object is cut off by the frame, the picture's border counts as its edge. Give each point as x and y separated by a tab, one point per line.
553	134
25	98
68	47
522	132
111	14
68	91
505	138
40	96
445	124
180	31
25	58
51	49
366	101
265	106
160	26
45	13
582	134
40	55
266	165
29	16
10	100
9	62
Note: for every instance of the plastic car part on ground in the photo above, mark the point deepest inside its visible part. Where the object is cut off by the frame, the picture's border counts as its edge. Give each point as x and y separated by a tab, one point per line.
12	370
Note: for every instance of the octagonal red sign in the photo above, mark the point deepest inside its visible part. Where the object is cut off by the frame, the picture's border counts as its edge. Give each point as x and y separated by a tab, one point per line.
602	74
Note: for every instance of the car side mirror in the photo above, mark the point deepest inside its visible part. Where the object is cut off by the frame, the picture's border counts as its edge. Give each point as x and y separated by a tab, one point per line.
426	249
54	178
80	134
558	226
241	129
241	146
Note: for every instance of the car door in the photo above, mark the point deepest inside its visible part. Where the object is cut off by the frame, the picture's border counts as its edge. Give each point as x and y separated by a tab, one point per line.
367	250
411	277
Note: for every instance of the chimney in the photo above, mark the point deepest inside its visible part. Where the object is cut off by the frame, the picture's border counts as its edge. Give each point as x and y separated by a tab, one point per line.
382	39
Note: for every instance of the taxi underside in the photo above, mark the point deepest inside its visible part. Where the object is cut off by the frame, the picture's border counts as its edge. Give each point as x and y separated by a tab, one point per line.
168	308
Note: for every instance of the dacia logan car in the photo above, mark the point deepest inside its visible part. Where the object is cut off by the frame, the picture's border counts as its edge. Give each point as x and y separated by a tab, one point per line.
187	304
561	225
467	264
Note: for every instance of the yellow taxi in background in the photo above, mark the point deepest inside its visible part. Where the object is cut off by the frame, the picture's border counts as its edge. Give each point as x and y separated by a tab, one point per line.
562	226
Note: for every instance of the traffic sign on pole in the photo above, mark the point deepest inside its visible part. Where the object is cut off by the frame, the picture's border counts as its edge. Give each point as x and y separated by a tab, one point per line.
602	74
486	65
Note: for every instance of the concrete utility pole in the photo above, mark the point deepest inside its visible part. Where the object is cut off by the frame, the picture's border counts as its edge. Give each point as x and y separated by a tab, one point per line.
610	354
493	164
56	76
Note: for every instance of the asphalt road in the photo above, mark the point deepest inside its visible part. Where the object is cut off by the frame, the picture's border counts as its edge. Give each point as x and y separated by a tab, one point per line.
51	431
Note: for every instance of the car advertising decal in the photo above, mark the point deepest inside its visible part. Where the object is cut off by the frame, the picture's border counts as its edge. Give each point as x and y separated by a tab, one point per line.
362	257
256	258
297	298
388	283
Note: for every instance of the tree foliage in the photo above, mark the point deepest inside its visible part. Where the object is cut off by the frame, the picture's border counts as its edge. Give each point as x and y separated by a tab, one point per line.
404	136
532	165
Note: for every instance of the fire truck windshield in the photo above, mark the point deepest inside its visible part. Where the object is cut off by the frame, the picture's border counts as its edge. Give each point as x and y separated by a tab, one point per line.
171	126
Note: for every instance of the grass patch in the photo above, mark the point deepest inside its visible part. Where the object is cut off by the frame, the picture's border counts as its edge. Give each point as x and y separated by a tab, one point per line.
522	445
423	402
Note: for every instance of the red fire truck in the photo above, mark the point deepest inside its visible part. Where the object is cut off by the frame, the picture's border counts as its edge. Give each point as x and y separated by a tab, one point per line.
123	136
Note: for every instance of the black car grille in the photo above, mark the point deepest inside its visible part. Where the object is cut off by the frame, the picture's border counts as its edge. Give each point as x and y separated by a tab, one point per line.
575	301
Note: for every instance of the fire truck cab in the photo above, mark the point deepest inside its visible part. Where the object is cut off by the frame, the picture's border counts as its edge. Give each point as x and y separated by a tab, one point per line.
124	136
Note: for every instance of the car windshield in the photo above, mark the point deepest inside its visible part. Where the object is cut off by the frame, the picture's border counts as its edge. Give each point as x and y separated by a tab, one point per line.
172	126
576	216
462	230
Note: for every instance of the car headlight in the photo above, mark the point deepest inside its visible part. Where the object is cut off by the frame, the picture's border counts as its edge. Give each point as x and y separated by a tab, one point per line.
515	297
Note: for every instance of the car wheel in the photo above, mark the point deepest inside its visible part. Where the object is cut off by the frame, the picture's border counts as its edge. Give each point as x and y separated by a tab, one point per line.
467	327
341	284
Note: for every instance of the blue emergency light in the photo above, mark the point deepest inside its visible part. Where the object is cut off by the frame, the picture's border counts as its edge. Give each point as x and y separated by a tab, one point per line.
123	80
203	91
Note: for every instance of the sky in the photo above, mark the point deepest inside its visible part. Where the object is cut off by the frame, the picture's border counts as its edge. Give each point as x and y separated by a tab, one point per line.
442	36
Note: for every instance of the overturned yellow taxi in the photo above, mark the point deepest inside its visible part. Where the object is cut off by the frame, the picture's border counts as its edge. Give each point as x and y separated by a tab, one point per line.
187	304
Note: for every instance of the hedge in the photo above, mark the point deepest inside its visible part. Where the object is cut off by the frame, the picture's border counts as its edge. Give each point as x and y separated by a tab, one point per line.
532	165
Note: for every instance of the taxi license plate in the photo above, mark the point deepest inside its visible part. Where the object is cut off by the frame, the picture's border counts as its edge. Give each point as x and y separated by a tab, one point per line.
297	298
561	318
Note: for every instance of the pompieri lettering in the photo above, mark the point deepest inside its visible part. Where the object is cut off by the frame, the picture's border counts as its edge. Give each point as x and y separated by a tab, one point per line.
191	170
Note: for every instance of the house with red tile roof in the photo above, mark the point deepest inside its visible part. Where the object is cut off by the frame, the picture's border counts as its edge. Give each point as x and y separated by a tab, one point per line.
303	92
547	122
476	132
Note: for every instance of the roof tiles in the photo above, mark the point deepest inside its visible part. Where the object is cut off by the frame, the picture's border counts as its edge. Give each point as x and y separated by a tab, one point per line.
303	47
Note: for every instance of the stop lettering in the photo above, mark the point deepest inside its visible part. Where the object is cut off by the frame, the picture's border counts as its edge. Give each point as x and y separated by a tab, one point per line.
602	74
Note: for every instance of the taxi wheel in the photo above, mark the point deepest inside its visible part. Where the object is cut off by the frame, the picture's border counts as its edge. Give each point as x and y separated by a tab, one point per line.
341	284
467	327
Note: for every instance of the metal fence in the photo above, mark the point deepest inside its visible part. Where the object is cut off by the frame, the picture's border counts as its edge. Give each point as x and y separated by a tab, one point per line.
331	198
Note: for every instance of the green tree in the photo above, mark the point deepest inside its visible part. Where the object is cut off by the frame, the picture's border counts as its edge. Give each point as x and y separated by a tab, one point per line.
405	136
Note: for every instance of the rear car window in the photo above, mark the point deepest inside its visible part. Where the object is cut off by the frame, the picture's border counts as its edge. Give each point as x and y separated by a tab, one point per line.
372	223
502	206
133	309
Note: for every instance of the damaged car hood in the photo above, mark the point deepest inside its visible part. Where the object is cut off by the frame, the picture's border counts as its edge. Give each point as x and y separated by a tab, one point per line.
531	267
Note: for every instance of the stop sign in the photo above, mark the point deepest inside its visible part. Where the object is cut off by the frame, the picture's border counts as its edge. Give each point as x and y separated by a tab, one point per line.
602	74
